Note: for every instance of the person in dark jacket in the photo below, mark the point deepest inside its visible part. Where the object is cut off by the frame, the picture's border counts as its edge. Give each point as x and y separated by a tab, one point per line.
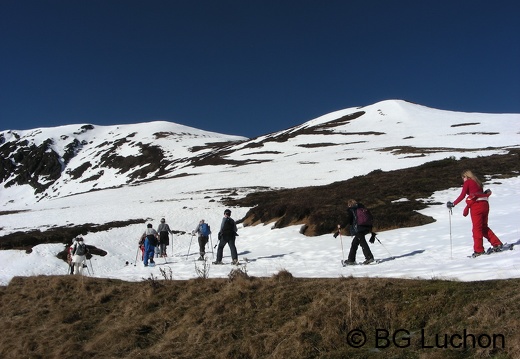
164	236
227	235
359	232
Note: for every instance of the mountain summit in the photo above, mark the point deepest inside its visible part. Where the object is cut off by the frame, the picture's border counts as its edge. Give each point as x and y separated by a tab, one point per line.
48	163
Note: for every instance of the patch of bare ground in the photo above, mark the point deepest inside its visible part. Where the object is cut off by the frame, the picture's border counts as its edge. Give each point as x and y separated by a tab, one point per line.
247	317
477	133
314	145
465	124
321	208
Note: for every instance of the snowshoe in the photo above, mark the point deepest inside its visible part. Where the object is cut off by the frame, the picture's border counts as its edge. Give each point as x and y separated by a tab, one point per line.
368	261
500	248
348	263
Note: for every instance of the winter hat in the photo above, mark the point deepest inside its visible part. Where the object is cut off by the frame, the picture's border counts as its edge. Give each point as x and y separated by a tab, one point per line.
228	212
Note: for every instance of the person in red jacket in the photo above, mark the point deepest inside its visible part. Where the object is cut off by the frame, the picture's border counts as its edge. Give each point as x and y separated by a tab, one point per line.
478	206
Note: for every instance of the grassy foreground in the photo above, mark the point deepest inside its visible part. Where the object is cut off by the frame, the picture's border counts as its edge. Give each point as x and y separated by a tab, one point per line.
245	317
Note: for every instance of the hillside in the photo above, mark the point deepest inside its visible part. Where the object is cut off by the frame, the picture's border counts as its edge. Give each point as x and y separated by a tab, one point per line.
244	317
320	208
290	297
286	189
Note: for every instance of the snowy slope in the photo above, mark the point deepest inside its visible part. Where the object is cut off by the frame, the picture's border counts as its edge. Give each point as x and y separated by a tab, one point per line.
387	135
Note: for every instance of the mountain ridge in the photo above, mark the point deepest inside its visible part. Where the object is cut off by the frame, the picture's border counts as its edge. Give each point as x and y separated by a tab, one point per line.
71	159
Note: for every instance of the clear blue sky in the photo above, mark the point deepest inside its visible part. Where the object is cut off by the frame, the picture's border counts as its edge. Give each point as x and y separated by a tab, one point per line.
250	67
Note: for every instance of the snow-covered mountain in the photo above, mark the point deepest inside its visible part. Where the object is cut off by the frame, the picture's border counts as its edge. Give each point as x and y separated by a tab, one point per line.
74	175
66	160
72	159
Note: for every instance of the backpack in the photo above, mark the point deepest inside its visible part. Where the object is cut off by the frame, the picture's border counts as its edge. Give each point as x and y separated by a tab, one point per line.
204	229
80	249
229	226
364	217
152	241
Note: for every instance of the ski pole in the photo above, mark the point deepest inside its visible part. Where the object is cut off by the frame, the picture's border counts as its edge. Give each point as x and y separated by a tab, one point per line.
173	239
212	251
217	241
136	254
189	247
342	250
384	247
451	243
85	265
70	268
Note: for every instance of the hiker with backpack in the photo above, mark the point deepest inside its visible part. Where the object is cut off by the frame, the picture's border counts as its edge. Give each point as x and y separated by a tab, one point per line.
478	206
164	236
227	235
203	230
150	242
360	221
79	255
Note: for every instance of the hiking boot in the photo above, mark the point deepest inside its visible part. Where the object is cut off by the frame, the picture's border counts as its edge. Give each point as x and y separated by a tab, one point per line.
235	262
368	261
476	254
218	262
349	263
201	258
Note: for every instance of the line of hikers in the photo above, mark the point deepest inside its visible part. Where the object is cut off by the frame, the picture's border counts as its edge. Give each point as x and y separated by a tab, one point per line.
359	221
153	243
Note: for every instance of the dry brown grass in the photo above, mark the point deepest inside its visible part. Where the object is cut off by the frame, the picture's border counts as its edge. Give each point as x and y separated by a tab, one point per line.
244	317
